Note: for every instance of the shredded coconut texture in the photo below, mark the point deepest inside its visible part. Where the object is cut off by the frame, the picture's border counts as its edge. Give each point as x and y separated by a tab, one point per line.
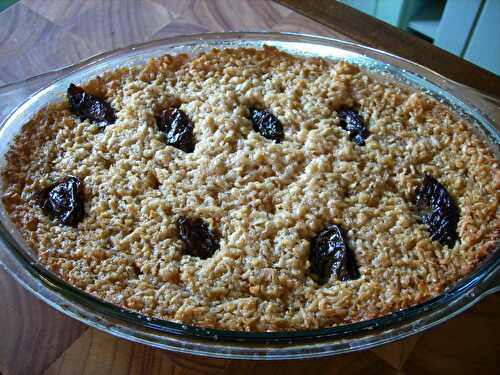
266	199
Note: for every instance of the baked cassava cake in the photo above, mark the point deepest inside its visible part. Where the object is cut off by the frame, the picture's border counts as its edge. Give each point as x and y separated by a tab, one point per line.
249	189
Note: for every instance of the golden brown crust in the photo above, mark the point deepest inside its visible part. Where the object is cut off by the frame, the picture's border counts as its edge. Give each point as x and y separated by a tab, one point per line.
266	199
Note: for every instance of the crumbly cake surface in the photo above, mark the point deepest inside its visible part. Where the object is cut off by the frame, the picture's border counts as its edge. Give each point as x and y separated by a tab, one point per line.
266	199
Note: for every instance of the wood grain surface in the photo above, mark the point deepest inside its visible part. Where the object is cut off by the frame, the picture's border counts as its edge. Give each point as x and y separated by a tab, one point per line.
37	36
98	353
40	35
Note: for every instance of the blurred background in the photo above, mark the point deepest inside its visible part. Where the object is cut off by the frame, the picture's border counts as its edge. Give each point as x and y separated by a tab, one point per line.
467	28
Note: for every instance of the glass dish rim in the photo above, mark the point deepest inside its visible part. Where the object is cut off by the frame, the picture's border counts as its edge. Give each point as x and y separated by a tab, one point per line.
55	283
58	285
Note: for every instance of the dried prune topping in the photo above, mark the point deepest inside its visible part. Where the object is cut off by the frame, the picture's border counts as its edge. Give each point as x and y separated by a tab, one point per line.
351	121
88	106
438	211
178	129
266	124
198	239
64	201
330	254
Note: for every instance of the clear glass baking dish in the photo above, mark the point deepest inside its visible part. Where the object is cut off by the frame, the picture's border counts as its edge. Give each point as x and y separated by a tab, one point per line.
21	100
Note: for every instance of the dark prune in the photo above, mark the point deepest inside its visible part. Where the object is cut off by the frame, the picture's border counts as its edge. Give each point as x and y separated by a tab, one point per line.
267	124
330	254
438	211
64	201
199	240
351	121
88	106
178	129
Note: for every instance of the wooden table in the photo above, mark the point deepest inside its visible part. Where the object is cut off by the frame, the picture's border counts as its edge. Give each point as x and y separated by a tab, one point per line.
40	35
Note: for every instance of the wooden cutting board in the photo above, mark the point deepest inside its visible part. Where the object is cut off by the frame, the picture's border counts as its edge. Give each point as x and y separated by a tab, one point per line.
39	35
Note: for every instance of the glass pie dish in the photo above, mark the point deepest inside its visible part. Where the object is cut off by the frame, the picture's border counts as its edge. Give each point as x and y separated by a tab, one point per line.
20	101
